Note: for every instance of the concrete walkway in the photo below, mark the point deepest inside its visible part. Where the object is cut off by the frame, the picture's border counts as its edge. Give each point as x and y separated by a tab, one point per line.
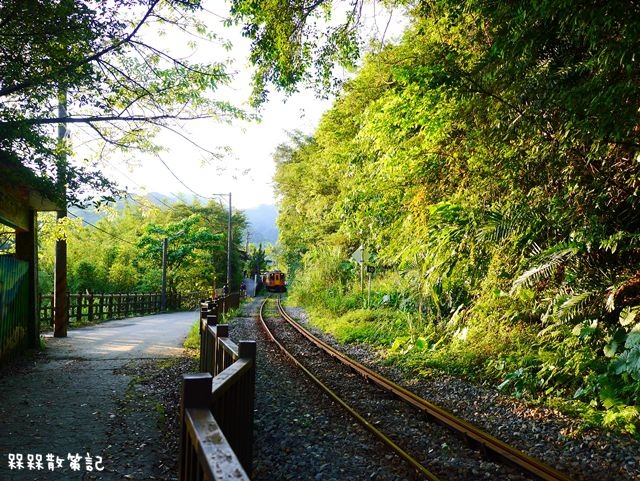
58	413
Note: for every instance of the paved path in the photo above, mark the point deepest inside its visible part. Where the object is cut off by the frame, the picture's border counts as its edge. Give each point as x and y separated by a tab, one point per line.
64	403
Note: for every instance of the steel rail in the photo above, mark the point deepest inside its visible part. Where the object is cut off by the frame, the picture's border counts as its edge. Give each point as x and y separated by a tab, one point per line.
370	427
484	441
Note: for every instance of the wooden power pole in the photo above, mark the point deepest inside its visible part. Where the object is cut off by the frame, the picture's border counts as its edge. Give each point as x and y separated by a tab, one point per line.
60	287
229	244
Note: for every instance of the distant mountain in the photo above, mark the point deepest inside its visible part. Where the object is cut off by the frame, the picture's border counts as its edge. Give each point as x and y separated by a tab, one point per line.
262	219
262	224
157	199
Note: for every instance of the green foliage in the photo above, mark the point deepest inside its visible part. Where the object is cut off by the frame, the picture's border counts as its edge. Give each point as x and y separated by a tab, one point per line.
324	281
379	327
291	38
124	252
192	341
489	160
190	242
627	363
121	85
257	261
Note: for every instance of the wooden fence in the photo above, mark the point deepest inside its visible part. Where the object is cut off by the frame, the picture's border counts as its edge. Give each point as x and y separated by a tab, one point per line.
217	404
220	305
100	307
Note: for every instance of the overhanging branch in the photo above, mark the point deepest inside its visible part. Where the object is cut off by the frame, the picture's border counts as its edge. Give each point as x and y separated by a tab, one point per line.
11	89
106	118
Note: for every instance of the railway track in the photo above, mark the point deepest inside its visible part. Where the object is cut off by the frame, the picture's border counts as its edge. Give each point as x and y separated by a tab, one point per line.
400	419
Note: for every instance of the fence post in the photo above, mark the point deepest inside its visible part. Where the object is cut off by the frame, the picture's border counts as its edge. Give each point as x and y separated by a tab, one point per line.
90	307
203	310
247	349
217	307
207	344
41	311
196	393
203	346
236	300
219	360
101	306
79	307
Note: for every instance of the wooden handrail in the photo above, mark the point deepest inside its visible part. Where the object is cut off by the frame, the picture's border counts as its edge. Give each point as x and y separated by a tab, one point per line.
223	397
212	447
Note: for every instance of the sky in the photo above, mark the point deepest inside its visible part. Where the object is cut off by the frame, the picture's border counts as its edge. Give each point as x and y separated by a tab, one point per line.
247	168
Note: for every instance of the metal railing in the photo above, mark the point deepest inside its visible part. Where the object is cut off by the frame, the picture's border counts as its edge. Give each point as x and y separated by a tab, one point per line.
100	307
14	306
217	406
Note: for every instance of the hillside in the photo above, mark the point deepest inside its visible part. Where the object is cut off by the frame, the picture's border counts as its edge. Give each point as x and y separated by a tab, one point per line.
262	224
261	219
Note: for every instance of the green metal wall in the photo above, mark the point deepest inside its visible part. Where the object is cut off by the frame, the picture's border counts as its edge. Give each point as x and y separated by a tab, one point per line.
14	306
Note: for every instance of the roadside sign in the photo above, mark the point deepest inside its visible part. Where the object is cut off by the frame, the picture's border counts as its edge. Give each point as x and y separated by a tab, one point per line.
358	255
371	269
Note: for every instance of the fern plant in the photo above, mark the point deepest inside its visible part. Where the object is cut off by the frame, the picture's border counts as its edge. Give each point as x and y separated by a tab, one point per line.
545	264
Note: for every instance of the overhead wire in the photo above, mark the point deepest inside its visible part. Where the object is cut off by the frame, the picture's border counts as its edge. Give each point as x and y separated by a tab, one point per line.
101	230
215	198
179	180
168	206
158	199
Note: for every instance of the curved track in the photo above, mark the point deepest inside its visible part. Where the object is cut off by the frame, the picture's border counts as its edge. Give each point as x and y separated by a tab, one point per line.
379	434
488	445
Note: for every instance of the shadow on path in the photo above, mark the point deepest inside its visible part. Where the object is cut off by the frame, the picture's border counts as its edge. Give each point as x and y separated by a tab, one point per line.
59	415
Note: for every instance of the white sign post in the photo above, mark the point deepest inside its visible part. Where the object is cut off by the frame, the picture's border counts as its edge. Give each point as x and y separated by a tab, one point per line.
358	256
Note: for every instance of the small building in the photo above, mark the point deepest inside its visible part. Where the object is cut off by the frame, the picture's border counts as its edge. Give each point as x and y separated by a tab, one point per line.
20	200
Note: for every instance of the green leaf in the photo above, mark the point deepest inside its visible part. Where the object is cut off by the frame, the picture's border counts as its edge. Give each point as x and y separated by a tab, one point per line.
611	348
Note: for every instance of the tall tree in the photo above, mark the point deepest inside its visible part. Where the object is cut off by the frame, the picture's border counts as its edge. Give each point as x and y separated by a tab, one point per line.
122	84
299	41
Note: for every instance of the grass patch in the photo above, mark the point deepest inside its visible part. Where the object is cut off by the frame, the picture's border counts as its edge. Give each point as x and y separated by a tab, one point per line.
192	341
229	316
376	327
580	369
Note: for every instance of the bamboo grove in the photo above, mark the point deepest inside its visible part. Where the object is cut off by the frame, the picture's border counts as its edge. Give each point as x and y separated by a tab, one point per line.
122	252
489	162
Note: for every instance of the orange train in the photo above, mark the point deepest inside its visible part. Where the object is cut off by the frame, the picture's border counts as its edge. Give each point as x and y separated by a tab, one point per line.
274	281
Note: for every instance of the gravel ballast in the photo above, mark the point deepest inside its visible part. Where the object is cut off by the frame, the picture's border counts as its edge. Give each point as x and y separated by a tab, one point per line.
301	434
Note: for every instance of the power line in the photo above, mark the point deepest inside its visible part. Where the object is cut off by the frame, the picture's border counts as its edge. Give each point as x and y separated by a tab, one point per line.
229	228
175	177
168	206
101	230
158	199
179	180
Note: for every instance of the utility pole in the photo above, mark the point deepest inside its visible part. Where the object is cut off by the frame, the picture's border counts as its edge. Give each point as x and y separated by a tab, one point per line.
163	294
229	247
229	239
60	287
